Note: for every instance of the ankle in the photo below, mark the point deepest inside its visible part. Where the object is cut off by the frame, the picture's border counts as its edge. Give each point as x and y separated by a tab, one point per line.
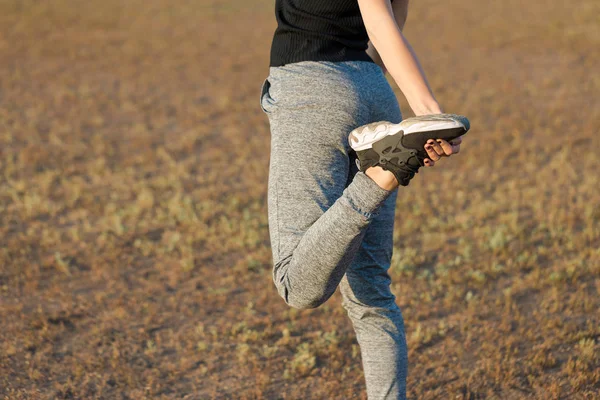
384	179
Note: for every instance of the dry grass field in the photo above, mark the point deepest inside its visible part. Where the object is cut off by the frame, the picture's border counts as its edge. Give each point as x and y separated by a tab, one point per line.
134	251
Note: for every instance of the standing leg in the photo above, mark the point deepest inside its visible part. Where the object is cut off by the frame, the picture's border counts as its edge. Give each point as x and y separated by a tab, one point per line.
371	306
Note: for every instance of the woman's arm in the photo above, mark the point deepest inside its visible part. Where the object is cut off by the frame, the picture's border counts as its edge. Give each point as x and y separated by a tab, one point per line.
400	9
384	24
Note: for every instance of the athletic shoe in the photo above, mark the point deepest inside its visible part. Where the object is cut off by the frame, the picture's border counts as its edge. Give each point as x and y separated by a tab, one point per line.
399	148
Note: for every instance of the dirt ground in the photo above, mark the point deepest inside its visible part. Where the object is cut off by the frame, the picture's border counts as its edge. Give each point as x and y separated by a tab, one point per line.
134	250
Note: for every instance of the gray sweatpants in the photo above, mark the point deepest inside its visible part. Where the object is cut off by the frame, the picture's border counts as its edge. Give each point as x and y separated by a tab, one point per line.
329	223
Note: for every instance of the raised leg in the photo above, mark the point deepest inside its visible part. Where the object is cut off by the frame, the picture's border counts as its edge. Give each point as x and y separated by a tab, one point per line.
316	223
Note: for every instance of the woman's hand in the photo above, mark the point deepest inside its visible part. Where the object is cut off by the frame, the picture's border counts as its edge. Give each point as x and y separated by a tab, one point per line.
441	148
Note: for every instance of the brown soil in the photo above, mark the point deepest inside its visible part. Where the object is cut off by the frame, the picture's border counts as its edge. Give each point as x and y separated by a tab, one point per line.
134	252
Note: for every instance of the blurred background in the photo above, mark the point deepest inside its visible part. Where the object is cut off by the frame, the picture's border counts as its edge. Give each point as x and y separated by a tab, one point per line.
134	250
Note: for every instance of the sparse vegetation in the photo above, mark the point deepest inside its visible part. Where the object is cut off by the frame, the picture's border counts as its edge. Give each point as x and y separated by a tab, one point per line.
134	250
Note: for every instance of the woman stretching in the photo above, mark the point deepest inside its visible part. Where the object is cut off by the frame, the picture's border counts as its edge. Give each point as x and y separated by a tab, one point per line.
339	151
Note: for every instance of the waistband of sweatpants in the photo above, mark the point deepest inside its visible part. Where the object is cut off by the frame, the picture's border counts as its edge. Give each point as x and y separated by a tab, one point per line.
327	67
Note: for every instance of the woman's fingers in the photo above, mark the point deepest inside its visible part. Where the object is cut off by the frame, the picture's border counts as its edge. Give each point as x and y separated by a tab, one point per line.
429	148
444	147
440	148
437	147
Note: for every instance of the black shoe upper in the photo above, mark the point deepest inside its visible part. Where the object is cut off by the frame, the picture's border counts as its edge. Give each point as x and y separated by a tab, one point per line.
391	155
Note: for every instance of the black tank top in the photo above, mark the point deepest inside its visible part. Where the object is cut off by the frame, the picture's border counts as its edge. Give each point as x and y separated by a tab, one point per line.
318	30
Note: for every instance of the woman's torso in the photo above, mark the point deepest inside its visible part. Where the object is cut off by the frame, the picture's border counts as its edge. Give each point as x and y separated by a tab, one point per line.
318	30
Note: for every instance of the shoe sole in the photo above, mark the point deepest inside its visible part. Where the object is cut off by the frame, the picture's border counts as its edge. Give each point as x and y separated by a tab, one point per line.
416	131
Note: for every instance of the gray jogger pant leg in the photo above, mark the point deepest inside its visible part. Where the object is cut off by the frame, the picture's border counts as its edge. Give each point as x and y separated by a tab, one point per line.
329	224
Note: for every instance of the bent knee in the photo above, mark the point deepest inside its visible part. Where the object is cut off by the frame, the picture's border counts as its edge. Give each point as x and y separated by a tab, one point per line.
301	301
299	295
304	304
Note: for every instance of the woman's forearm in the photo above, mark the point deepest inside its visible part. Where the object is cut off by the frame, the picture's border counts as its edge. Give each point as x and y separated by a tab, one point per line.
397	55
